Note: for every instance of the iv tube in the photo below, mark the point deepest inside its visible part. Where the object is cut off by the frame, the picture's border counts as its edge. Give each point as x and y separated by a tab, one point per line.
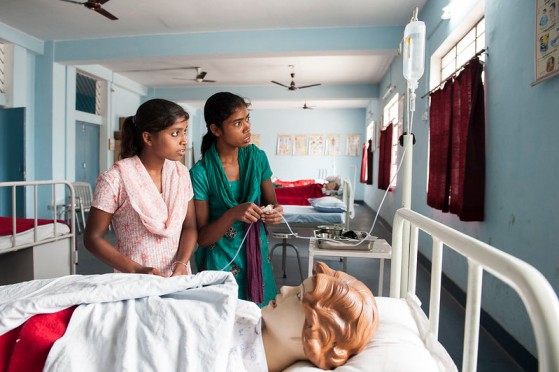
414	56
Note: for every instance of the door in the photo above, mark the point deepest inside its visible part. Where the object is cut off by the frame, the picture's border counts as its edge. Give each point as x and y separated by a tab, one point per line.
87	152
12	158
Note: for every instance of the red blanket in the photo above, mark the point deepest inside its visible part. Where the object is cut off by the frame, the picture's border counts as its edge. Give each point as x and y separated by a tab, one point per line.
22	224
26	347
298	195
304	182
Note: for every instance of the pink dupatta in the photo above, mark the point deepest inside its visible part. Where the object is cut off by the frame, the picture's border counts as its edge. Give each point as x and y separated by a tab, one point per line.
162	214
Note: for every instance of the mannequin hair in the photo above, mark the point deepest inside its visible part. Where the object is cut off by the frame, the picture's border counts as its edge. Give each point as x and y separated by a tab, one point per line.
341	317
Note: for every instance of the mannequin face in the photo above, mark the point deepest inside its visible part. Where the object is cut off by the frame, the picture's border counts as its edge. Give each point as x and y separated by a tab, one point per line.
284	317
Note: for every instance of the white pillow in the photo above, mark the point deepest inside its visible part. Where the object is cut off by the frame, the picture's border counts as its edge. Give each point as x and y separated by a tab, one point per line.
328	204
399	345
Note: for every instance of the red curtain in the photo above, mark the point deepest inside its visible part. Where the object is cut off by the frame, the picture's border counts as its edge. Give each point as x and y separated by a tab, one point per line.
385	158
364	164
439	150
467	176
457	145
370	152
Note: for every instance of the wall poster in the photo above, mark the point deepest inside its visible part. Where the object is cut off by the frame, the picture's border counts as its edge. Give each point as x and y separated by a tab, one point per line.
353	145
547	40
255	139
300	144
332	144
316	144
285	142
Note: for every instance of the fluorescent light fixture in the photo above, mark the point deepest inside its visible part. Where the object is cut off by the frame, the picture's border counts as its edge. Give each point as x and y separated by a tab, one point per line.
390	90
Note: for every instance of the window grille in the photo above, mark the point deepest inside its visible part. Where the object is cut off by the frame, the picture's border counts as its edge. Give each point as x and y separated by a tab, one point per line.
88	94
2	68
468	46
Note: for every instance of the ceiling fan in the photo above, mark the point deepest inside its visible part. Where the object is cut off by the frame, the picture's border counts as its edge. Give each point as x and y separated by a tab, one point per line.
200	76
292	86
96	6
306	107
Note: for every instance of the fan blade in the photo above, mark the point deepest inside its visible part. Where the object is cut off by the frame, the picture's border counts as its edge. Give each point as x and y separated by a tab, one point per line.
161	69
196	80
73	2
308	86
106	14
283	85
102	1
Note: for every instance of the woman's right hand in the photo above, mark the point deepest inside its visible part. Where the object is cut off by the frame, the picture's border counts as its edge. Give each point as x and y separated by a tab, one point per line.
148	270
247	212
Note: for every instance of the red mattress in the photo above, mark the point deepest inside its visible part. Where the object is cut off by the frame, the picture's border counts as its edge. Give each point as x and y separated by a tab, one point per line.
22	224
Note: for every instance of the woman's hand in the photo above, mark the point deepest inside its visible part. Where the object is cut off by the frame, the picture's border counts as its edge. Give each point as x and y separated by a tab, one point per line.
247	212
148	270
272	216
179	268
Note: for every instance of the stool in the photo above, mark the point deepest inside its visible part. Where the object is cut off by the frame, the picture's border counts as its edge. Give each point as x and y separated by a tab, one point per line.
284	244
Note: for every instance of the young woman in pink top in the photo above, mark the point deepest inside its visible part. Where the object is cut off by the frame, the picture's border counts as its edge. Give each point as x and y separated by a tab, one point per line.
147	197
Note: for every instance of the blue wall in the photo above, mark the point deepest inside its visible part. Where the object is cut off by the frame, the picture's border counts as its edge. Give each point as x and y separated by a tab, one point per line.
522	206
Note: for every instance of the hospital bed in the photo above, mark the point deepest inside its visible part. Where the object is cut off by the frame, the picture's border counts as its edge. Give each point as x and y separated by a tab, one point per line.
325	210
406	339
32	247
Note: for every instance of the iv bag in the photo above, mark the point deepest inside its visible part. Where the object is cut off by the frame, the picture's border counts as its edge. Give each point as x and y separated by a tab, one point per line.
414	52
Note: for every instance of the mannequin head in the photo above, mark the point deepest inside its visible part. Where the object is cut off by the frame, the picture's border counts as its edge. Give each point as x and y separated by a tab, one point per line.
326	320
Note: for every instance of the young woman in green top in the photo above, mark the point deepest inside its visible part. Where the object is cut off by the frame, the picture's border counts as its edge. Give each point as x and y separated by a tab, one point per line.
232	187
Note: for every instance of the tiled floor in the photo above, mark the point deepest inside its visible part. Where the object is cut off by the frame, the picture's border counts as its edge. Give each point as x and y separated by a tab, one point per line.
492	357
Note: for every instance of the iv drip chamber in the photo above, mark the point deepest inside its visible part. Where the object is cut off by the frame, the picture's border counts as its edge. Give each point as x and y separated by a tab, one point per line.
414	52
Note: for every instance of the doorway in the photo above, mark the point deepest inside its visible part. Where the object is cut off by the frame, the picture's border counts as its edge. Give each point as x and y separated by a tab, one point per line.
87	152
12	158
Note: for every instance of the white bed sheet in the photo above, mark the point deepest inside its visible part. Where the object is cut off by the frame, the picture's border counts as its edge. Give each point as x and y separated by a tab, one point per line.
307	214
28	236
401	343
141	322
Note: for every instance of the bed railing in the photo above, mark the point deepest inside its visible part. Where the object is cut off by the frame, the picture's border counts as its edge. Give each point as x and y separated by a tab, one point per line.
55	212
535	291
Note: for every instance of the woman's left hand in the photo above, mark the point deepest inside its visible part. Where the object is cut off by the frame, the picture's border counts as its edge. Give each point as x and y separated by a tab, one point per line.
273	216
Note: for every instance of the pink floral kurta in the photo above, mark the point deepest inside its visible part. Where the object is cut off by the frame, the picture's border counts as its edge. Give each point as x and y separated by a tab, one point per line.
147	225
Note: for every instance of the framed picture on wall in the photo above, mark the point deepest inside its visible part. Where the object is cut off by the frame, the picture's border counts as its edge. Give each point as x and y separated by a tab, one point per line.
332	144
300	144
353	145
547	40
285	144
255	139
316	144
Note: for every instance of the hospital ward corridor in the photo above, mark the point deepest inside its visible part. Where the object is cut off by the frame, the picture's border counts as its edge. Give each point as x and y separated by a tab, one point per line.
492	356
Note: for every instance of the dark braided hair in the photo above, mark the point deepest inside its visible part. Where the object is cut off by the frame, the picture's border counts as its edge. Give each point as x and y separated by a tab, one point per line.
152	116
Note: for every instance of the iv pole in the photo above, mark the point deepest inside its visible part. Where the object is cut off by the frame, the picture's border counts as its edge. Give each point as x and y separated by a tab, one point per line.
407	178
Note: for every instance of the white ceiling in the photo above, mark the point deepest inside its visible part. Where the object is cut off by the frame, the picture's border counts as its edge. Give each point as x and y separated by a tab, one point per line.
61	20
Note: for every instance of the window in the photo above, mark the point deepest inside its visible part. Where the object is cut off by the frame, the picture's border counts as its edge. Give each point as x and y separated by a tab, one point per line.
2	68
390	116
470	44
88	94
